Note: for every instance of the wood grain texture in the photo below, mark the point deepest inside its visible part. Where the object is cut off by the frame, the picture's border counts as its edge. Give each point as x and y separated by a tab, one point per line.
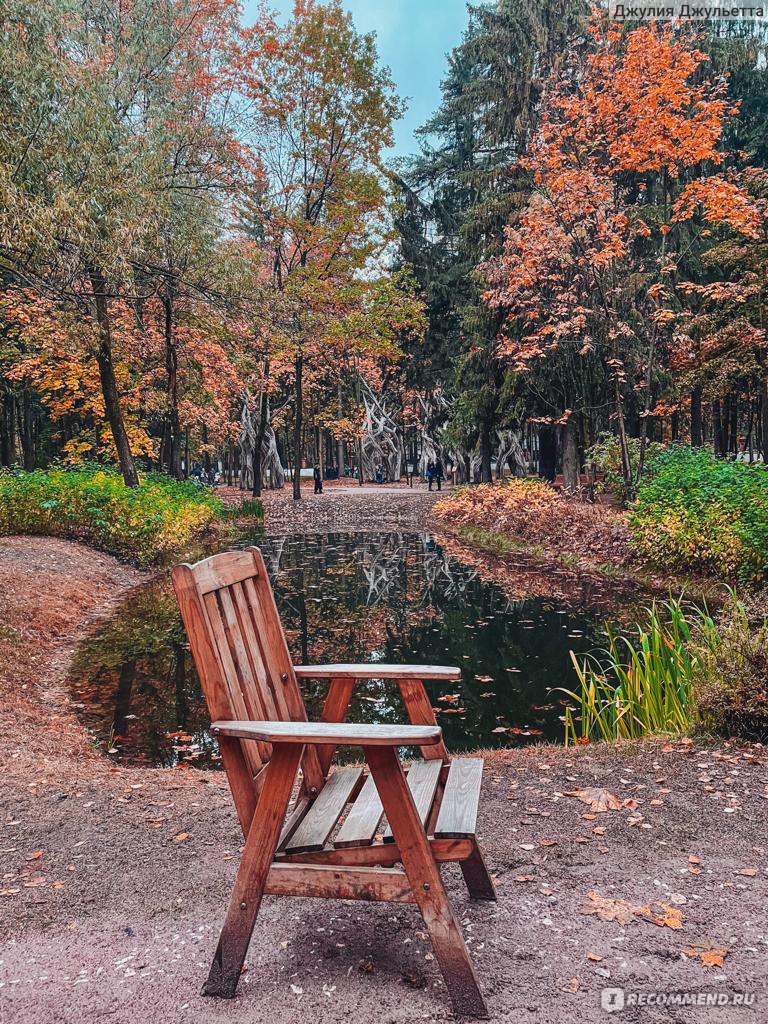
419	709
364	883
424	876
377	671
422	779
331	732
252	873
320	819
363	819
458	811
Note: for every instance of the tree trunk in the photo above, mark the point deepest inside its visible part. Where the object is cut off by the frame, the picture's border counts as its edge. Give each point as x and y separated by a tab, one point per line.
109	388
27	433
486	475
717	427
172	424
547	452
8	430
298	427
696	432
571	468
626	466
261	433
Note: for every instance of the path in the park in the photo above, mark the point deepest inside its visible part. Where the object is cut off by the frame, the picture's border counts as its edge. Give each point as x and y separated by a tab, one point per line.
345	507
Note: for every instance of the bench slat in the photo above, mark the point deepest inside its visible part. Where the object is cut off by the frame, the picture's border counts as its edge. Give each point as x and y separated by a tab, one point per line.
423	777
320	819
458	812
362	821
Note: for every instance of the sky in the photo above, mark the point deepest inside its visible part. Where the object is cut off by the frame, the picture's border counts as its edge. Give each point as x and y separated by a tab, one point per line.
413	38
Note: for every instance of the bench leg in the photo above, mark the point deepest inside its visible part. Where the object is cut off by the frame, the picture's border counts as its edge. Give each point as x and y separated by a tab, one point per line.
426	883
476	875
258	855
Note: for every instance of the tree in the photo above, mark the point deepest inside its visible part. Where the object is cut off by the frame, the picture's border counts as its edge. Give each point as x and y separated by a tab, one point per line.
93	107
322	114
461	191
593	263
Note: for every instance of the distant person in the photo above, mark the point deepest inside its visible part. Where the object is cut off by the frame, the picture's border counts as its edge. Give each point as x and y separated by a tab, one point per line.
318	478
439	474
430	473
379	474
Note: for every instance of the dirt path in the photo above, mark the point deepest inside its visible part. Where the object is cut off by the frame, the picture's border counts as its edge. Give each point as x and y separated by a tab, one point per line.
115	881
345	507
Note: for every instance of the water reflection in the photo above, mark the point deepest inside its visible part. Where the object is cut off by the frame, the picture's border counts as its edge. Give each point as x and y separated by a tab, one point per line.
345	597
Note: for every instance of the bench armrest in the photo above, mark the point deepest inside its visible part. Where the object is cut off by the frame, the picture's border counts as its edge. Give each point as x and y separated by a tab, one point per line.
332	732
445	673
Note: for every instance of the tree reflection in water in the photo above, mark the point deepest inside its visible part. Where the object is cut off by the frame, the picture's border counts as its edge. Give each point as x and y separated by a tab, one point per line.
345	597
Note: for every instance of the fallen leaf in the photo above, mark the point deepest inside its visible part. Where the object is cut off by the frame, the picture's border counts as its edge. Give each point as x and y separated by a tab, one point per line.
749	872
599	800
711	956
568	985
667	917
624	912
524	878
180	837
595	957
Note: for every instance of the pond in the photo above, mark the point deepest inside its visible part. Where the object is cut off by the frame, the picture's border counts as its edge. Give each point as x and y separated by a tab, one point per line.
388	597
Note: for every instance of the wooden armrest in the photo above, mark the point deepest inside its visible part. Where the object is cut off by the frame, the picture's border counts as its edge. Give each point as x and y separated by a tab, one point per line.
332	732
374	671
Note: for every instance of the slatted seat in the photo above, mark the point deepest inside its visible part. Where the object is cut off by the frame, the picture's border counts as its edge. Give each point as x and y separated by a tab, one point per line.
349	828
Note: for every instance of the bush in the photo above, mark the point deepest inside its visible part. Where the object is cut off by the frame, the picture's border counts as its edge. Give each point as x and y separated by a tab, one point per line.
731	673
93	505
696	512
533	512
605	456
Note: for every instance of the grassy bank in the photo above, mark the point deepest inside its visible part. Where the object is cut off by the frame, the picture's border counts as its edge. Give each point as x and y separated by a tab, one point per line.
93	505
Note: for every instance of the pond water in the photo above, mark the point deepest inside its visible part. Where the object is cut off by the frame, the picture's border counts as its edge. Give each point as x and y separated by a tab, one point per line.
389	597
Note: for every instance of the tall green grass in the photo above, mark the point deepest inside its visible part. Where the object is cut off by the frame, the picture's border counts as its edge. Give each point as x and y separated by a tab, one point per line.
641	685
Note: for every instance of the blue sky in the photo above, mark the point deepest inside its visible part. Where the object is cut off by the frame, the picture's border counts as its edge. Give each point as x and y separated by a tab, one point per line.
413	37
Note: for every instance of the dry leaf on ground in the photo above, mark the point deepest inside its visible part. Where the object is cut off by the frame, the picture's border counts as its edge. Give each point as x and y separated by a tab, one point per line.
711	956
599	800
608	908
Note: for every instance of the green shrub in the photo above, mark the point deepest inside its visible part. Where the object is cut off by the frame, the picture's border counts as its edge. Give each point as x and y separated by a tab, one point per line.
605	456
696	512
93	505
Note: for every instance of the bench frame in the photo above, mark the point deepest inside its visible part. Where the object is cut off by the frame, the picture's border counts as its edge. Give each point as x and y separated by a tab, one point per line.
264	737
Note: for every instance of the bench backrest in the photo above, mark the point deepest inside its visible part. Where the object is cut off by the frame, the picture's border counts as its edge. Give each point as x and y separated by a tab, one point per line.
239	645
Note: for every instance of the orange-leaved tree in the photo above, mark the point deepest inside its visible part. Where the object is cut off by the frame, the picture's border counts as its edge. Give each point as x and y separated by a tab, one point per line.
624	156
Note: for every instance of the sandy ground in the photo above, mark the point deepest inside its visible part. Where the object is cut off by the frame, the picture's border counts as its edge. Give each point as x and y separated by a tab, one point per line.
115	881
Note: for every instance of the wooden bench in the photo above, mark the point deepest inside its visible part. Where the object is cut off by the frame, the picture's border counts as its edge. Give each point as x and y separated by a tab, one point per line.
330	841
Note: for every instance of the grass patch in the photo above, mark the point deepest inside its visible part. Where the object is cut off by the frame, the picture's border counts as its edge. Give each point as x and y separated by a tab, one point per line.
249	508
141	524
682	670
637	686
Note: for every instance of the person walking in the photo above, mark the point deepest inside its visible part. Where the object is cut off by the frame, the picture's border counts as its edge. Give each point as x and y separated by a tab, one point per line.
439	474
430	473
318	478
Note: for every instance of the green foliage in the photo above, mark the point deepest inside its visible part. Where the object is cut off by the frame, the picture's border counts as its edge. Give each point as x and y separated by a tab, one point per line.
696	512
605	456
731	672
639	687
93	505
